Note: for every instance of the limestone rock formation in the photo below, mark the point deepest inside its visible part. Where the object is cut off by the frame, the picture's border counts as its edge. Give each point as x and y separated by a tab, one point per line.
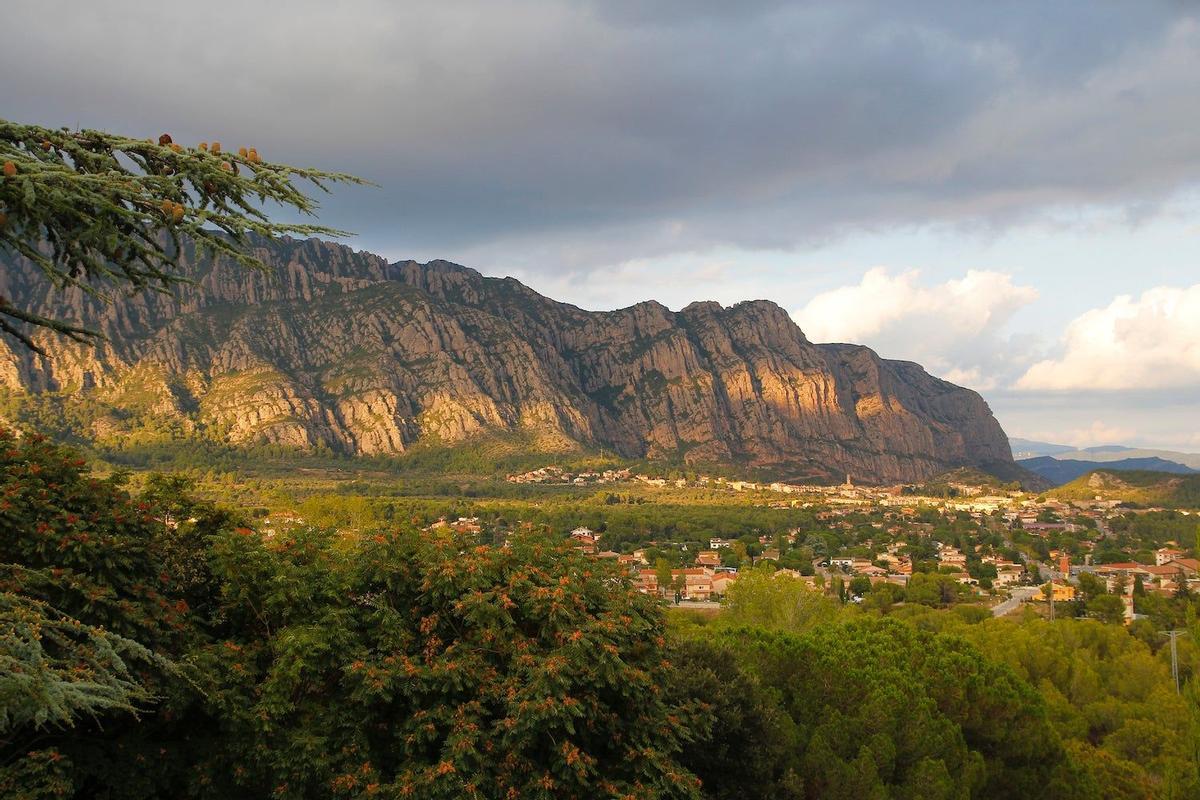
339	349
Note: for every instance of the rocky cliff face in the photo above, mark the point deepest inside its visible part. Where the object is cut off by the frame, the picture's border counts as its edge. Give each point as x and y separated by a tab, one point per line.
334	348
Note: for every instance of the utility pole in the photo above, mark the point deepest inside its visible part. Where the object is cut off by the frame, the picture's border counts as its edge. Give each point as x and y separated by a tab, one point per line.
1050	592
1173	635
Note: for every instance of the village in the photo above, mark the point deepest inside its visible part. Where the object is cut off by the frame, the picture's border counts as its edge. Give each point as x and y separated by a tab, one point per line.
1004	549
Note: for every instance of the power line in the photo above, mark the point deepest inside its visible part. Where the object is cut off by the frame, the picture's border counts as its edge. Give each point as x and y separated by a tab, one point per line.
1173	635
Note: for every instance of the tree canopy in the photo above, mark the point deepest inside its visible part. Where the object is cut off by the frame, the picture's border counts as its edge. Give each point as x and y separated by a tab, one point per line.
155	645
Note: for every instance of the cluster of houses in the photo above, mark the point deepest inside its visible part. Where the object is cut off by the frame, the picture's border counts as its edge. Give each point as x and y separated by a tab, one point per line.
278	522
559	476
1170	572
696	584
707	581
460	525
1019	510
1008	573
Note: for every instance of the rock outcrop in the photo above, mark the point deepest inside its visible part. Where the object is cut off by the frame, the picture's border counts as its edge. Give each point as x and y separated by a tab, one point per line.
339	349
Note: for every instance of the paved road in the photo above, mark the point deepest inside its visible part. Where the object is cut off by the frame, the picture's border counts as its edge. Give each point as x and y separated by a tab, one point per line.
1019	595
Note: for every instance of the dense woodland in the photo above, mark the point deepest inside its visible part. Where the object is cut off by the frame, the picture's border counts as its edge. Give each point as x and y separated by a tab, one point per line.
159	645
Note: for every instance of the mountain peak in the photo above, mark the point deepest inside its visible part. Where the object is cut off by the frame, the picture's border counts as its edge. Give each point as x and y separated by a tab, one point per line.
337	349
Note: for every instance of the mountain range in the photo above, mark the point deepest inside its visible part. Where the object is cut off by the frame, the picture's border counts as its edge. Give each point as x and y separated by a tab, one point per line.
333	349
1064	470
1105	453
1061	464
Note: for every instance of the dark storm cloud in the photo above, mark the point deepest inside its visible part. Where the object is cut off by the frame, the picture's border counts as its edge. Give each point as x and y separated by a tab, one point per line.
608	130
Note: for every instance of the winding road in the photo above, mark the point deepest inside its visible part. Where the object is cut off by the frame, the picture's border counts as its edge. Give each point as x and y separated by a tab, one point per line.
1019	595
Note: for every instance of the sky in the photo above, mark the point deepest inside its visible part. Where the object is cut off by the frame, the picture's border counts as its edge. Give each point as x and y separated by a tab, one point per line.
1007	193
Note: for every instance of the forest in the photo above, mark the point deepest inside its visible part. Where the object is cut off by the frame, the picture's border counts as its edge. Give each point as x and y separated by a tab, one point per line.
157	644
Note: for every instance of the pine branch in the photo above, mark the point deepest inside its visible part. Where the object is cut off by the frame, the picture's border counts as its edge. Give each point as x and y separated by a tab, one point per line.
94	210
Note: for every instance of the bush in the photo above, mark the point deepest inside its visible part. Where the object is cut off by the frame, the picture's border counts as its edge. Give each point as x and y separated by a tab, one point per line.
429	665
201	659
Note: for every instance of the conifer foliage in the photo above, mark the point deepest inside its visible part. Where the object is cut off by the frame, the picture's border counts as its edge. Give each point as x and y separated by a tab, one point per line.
90	626
102	212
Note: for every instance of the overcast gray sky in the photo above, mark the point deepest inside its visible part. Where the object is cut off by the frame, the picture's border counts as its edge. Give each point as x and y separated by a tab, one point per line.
1005	192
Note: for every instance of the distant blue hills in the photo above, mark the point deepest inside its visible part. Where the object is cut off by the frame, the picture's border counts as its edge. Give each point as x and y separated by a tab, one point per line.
1059	471
1061	464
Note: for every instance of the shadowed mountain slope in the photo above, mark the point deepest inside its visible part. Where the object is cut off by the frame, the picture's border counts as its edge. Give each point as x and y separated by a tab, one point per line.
337	349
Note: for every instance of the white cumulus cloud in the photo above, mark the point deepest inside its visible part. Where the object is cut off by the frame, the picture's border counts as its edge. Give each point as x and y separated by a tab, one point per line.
1148	342
952	328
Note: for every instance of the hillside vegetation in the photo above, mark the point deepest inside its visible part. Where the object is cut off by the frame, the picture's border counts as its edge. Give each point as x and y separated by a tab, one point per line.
1144	487
162	646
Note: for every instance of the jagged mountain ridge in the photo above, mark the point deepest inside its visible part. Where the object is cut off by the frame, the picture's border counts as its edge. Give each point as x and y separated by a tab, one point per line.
341	349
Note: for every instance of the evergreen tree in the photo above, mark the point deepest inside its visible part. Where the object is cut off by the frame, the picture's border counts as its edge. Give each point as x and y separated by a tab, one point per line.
1182	590
102	212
